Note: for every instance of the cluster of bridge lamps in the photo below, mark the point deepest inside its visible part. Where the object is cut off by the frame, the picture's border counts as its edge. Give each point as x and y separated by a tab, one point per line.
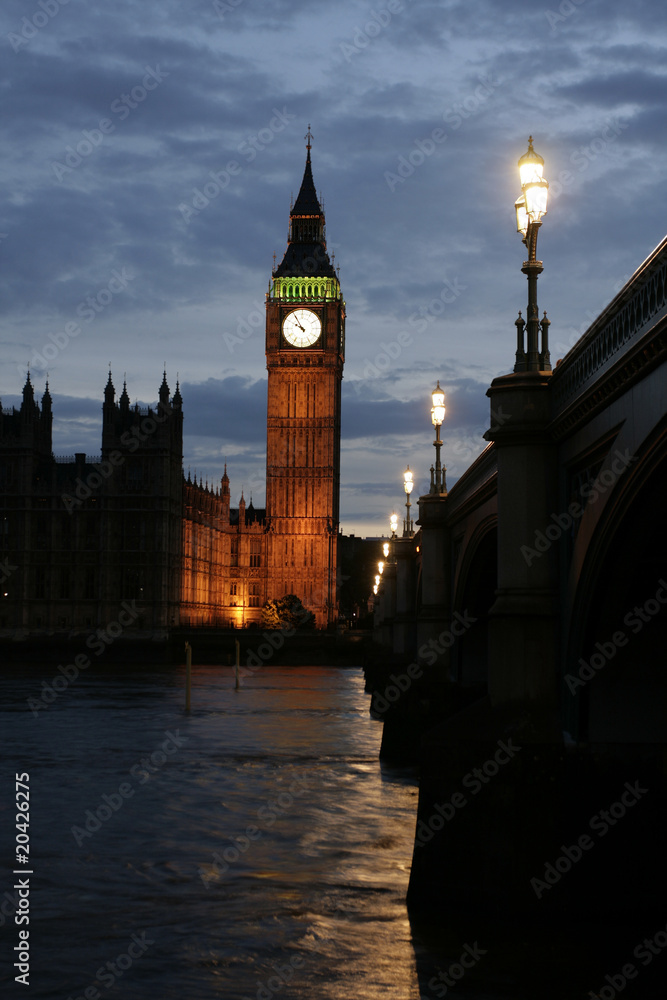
437	487
530	207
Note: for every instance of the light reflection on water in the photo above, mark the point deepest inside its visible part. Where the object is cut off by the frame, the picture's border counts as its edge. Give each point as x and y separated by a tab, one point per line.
280	781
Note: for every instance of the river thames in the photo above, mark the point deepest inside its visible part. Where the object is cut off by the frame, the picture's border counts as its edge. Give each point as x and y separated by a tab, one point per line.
254	848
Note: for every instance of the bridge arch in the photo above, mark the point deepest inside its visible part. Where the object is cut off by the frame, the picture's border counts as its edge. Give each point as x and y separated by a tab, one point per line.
474	593
616	634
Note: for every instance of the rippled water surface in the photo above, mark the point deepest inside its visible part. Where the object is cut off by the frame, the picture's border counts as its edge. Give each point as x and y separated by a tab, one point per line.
255	841
254	848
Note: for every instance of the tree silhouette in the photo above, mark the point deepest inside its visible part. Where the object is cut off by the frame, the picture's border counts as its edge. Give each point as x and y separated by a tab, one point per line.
287	612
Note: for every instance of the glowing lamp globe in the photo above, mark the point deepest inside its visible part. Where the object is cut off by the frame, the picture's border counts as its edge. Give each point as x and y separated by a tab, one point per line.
534	187
531	165
521	215
438	408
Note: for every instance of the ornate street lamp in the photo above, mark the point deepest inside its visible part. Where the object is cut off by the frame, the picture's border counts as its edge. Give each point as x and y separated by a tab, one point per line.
393	523
437	417
530	207
380	567
385	549
407	486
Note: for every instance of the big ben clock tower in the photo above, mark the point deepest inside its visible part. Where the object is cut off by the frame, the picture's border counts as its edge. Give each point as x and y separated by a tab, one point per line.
305	347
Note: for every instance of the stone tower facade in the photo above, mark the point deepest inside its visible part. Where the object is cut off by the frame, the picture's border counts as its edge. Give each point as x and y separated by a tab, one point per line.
305	348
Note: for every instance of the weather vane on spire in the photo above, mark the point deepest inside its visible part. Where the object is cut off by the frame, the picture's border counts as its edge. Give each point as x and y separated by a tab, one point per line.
308	137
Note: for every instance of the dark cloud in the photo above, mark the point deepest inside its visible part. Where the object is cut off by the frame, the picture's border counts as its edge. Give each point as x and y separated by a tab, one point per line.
613	89
366	414
233	408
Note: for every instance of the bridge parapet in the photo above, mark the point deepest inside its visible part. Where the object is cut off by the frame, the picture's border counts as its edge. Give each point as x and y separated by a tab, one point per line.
475	483
637	308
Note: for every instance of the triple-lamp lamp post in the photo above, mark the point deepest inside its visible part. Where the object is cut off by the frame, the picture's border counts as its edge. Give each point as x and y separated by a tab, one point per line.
437	416
531	207
386	552
408	485
387	547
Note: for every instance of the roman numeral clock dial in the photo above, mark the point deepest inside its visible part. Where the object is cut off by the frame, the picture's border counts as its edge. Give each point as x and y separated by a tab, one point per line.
302	328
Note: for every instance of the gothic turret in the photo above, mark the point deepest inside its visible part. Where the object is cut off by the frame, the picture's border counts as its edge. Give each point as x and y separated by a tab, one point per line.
46	420
109	391
224	496
164	391
29	408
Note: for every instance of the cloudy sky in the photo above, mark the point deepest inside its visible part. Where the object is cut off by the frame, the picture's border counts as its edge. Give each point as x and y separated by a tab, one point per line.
150	149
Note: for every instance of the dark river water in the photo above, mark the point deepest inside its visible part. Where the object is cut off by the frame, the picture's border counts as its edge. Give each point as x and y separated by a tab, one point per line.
254	848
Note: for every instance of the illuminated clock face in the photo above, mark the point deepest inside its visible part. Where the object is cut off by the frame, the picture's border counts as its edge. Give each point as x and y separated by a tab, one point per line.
302	328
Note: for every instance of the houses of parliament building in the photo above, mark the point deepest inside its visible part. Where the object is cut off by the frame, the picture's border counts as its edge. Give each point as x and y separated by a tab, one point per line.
81	538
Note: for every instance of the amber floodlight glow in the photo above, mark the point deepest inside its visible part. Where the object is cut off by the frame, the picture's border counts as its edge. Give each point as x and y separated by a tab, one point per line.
530	208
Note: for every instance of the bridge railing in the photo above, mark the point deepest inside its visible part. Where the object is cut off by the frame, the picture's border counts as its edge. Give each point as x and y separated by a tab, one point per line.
634	311
480	474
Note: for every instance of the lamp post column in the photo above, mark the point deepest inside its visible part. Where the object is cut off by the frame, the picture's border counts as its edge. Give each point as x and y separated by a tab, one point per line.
403	558
435	611
523	619
437	416
531	207
388	591
408	485
532	268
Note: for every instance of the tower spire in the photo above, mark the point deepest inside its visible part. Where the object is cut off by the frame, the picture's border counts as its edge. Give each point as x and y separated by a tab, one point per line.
307	202
306	252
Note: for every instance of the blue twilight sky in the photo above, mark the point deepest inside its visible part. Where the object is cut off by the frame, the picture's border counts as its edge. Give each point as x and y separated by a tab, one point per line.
114	116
